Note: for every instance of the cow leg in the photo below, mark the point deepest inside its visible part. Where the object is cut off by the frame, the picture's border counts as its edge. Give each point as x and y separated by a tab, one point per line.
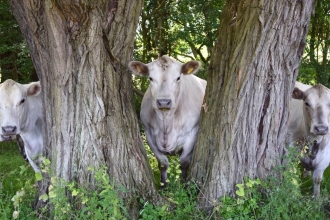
317	179
161	158
185	157
322	160
163	165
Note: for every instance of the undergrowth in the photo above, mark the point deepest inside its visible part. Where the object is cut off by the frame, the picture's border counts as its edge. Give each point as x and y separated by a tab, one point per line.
273	198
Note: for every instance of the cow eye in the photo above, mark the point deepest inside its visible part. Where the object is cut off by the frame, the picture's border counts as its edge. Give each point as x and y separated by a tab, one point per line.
151	79
22	101
178	79
307	104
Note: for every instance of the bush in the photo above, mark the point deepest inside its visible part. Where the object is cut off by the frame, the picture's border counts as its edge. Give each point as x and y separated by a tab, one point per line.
288	197
68	200
274	198
182	204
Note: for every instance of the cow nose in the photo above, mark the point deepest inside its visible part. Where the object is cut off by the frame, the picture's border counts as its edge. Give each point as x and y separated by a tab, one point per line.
321	129
164	103
9	130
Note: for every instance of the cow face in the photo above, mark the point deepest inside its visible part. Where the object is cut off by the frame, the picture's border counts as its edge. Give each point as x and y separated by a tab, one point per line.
165	77
316	108
14	109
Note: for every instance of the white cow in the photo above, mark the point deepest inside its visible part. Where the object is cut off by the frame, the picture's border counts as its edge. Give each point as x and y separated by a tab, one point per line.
170	109
21	113
309	126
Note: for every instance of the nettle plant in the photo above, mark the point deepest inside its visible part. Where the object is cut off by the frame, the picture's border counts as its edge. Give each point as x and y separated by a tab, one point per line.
68	200
273	198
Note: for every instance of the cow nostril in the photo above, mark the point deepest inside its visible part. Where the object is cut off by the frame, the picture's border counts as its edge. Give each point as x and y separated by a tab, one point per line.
322	129
9	130
164	103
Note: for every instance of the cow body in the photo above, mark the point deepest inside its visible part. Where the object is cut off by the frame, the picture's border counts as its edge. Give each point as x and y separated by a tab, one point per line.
308	125
170	109
21	113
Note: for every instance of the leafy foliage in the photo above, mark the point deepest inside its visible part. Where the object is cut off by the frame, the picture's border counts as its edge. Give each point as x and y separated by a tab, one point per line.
68	200
184	30
274	198
182	204
315	67
269	199
15	61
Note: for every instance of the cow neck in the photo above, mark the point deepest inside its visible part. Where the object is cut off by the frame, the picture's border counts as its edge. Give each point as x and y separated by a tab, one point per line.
166	119
323	141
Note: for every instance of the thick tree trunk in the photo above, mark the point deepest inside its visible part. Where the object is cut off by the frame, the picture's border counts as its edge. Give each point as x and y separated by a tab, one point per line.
81	50
251	75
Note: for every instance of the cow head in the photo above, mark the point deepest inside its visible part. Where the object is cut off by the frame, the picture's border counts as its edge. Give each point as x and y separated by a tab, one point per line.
14	109
165	75
316	108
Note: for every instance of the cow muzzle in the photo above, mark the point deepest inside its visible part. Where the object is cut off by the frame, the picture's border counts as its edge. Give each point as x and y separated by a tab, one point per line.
164	104
321	129
9	130
7	138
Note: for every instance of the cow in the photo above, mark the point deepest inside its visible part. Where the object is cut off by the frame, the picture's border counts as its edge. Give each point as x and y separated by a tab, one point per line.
170	109
308	125
21	114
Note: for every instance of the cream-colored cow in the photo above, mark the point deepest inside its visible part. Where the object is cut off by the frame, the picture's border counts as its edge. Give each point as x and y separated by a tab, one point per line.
309	124
21	113
170	109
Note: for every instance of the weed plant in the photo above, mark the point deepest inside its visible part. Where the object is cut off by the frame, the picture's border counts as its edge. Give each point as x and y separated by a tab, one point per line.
288	197
182	204
274	198
68	200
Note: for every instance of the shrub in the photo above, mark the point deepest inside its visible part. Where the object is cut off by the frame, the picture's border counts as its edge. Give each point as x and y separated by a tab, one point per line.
69	200
273	198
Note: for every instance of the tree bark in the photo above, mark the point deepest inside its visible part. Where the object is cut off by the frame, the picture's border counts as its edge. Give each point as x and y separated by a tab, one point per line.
252	72
81	50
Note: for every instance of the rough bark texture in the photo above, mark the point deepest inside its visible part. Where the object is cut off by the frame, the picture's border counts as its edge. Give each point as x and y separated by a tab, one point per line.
81	50
252	72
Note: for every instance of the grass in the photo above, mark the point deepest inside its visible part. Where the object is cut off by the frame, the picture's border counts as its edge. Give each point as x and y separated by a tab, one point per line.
269	199
15	174
11	161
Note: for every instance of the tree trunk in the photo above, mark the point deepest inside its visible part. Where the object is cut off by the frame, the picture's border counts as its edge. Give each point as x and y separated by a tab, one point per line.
251	76
81	50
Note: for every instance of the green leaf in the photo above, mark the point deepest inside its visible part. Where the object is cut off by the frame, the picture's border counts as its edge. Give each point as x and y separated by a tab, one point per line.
43	197
38	176
74	192
52	194
240	191
46	162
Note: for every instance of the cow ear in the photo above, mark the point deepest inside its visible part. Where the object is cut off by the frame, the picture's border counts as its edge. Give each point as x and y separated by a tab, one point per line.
33	88
191	67
297	93
139	68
